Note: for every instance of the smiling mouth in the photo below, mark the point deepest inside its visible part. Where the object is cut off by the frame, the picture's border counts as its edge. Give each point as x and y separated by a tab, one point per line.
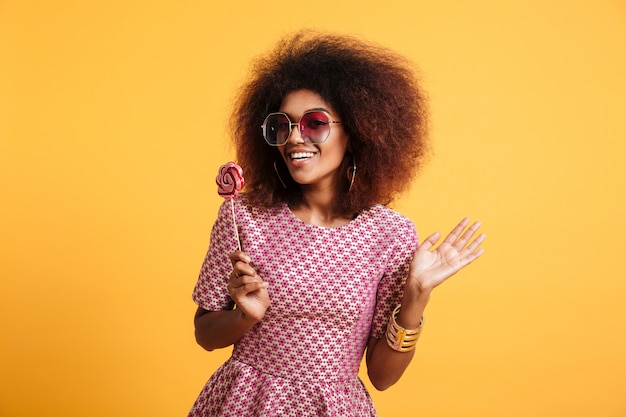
299	156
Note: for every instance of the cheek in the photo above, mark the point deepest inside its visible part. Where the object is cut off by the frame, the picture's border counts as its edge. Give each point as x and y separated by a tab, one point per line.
340	148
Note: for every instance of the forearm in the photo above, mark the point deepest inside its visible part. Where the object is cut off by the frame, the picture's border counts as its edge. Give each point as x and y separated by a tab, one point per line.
219	329
385	365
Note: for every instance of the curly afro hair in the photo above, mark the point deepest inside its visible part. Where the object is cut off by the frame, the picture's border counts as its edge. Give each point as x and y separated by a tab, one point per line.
381	105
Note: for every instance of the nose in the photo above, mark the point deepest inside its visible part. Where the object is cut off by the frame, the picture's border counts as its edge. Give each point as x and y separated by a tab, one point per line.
295	136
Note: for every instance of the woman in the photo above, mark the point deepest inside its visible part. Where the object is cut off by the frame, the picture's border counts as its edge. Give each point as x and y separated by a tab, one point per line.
329	129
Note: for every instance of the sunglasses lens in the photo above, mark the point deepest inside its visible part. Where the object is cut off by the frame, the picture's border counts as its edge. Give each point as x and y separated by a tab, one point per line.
276	129
315	126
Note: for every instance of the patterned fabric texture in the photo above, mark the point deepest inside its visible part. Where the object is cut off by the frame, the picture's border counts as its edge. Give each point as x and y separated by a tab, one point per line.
330	290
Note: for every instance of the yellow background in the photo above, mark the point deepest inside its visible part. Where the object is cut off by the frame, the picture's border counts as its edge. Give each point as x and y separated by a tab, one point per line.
112	117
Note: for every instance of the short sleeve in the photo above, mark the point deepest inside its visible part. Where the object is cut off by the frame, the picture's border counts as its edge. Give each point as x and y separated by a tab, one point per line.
390	287
210	291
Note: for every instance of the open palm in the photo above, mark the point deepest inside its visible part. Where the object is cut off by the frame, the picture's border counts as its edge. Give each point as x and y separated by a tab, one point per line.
430	267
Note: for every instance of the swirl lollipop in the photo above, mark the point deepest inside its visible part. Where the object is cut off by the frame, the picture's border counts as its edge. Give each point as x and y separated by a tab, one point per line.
229	182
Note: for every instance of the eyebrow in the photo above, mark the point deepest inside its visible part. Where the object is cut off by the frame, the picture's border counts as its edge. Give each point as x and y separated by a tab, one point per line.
310	110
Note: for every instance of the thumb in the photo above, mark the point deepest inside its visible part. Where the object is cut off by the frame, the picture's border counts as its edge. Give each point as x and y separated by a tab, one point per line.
430	241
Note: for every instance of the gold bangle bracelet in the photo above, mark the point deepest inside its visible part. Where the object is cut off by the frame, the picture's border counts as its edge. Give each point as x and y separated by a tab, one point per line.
399	338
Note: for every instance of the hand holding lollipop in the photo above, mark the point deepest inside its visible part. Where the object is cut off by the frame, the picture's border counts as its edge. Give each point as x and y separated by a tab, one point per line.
229	182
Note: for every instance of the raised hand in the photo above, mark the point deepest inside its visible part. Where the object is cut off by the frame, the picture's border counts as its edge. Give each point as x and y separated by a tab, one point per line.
246	288
431	267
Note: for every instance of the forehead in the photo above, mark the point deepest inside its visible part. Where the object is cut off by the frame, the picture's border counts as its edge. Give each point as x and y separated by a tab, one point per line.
297	102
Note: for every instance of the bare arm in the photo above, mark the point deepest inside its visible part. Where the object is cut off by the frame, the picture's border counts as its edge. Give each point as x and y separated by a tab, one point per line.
218	329
385	366
428	269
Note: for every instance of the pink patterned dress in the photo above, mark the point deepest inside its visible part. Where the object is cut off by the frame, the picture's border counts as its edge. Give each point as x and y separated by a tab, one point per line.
330	290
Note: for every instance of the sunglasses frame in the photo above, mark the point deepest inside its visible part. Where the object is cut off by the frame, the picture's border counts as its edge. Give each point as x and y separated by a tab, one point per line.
292	124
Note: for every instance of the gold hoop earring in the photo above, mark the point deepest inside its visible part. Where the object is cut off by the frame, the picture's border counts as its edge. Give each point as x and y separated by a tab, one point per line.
353	174
278	174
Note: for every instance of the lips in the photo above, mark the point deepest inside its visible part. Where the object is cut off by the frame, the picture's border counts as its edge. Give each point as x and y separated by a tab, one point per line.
298	156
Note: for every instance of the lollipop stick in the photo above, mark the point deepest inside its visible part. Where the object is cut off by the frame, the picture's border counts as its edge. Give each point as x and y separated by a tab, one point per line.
232	206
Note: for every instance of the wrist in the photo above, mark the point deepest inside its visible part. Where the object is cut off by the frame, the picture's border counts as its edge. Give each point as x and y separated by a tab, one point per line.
416	294
246	320
412	308
400	338
410	315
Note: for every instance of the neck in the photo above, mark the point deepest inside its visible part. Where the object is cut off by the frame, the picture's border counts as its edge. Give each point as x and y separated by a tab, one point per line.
318	208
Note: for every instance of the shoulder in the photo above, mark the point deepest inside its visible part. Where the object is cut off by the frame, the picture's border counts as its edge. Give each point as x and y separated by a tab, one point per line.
245	209
395	229
389	219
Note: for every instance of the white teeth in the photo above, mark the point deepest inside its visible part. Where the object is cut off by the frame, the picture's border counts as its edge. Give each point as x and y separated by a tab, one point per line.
302	155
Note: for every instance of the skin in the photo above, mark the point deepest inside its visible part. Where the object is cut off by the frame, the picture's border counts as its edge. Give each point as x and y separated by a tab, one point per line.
432	264
319	175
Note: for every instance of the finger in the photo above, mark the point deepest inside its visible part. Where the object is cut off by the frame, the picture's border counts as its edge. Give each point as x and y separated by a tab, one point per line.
474	244
456	232
473	252
249	288
430	241
237	282
467	235
239	256
472	257
241	269
241	264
